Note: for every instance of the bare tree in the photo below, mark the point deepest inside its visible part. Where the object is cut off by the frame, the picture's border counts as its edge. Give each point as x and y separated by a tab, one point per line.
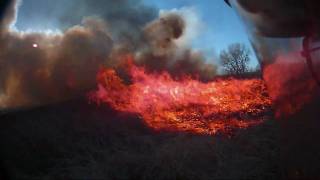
235	59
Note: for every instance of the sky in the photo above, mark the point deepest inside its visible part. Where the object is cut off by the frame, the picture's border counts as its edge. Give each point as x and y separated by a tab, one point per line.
220	25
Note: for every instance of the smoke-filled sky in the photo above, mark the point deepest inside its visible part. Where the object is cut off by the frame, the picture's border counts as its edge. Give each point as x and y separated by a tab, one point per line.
217	26
39	67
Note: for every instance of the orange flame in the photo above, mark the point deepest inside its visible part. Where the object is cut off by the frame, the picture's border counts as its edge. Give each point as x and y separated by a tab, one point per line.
186	104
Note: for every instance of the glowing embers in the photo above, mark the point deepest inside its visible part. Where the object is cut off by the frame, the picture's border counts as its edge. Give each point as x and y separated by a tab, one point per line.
185	104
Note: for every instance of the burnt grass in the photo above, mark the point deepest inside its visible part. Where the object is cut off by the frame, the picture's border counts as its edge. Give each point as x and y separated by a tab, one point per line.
77	140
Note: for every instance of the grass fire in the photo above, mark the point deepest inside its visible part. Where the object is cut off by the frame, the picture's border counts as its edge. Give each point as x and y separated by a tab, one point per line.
159	90
184	104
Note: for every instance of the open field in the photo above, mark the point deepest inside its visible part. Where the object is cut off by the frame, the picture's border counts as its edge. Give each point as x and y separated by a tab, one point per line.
75	140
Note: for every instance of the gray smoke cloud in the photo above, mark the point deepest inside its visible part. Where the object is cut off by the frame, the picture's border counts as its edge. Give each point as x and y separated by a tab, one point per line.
125	18
163	51
284	18
40	68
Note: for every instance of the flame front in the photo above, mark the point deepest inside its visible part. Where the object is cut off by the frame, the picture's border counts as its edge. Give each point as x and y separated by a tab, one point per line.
185	104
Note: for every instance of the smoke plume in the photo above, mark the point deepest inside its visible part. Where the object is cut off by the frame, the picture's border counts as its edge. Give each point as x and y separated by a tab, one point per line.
41	68
37	68
125	18
165	52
